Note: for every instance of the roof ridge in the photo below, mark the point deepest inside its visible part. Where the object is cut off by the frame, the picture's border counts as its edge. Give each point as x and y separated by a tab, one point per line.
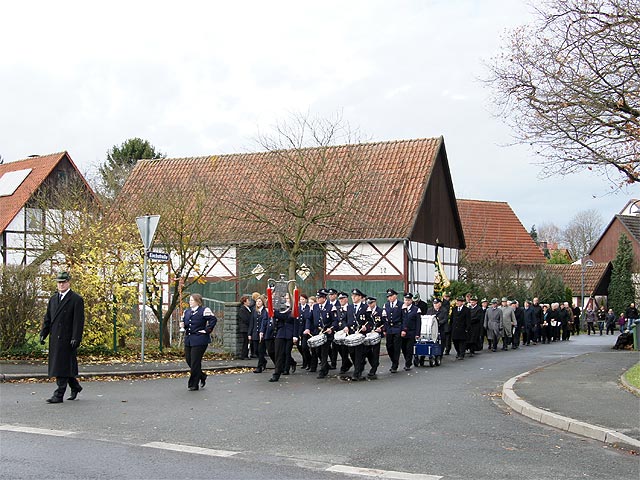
363	144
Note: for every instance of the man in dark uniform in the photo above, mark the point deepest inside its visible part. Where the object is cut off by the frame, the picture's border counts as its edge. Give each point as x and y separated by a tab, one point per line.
410	329
576	319
445	333
284	324
460	323
357	322
392	316
537	315
304	311
340	319
333	350
321	322
518	311
372	352
476	320
64	322
244	319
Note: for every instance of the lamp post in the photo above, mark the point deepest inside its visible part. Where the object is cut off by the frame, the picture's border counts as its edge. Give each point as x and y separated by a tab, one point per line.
583	264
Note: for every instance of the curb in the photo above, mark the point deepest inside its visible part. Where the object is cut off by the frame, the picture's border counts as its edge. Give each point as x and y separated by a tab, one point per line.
567	424
628	386
134	373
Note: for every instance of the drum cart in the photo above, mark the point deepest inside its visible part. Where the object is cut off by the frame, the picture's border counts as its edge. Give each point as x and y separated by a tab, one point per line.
429	344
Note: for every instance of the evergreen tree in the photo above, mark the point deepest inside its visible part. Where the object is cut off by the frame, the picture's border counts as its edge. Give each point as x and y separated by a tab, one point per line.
534	234
548	287
621	291
120	161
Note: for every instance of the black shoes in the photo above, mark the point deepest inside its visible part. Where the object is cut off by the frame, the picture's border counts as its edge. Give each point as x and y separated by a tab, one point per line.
372	376
293	367
74	393
406	369
54	399
203	382
274	378
258	370
193	389
322	375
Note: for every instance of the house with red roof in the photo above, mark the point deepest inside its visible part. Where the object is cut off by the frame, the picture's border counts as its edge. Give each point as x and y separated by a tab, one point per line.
495	237
22	218
406	215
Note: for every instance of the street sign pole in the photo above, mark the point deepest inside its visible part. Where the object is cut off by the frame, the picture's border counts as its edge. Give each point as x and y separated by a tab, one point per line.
147	225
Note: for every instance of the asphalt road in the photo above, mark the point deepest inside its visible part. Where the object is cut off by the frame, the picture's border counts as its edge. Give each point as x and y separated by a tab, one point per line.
445	421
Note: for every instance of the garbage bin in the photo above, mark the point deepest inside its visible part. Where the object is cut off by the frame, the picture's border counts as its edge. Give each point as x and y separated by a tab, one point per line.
634	330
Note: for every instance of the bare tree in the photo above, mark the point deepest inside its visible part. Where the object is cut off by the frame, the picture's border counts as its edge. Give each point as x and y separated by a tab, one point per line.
569	85
304	189
188	222
582	232
549	232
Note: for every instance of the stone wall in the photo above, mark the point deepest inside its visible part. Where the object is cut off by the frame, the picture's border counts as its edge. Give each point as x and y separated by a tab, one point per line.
231	330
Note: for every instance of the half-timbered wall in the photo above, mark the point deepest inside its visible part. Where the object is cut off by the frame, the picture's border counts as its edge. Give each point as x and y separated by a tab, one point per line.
421	266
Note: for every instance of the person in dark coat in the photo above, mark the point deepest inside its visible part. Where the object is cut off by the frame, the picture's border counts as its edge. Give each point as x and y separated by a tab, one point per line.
372	352
340	321
537	313
529	324
576	319
64	324
304	311
358	322
460	326
631	314
518	311
285	324
267	337
258	317
244	316
445	331
392	316
411	321
565	317
198	322
476	320
319	322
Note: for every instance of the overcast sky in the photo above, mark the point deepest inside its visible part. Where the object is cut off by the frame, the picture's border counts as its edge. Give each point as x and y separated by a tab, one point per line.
203	78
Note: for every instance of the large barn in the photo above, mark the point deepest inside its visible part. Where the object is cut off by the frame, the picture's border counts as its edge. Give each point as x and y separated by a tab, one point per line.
406	215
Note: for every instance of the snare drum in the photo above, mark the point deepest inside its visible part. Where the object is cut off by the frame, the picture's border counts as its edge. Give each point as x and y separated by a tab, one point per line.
339	337
372	338
317	340
354	340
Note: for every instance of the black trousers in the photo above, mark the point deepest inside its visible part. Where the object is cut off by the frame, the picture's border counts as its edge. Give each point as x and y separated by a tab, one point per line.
447	342
261	351
590	328
347	363
516	337
314	358
357	357
62	383
407	349
372	354
271	349
193	356
244	350
283	348
459	345
527	335
333	354
303	349
325	350
394	346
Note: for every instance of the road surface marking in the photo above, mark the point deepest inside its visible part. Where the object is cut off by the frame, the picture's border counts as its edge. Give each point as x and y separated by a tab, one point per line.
372	472
38	431
190	449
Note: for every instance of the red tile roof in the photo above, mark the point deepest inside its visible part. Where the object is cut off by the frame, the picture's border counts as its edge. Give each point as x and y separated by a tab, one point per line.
593	277
41	167
395	176
493	231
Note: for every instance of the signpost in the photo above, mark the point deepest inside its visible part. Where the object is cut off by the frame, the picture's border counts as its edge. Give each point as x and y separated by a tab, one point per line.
147	225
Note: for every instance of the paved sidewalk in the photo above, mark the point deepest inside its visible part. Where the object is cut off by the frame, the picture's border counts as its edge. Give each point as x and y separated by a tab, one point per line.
583	395
16	371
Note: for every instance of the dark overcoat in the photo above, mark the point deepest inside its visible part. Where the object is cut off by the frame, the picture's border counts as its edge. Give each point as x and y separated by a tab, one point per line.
63	322
475	326
460	323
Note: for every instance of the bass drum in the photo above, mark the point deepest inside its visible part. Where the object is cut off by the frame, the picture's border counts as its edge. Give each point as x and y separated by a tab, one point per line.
339	337
317	340
372	338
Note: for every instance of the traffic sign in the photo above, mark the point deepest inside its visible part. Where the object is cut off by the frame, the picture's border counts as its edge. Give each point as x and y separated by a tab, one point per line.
158	256
147	225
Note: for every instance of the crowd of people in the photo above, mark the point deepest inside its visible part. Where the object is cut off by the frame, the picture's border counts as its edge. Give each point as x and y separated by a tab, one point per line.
330	332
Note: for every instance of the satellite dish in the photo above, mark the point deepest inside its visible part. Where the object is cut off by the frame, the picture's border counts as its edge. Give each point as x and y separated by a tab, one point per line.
589	263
